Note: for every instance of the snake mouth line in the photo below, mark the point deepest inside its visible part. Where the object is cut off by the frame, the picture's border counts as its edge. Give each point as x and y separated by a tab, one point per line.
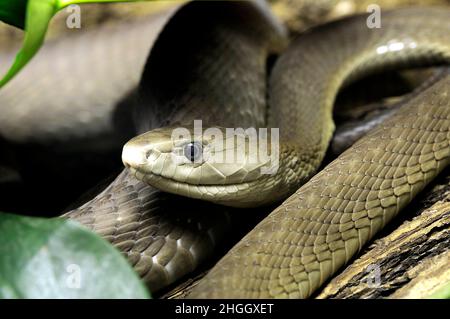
222	194
153	176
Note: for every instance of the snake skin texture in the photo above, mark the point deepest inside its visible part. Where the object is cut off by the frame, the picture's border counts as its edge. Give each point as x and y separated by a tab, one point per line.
317	230
327	221
203	67
166	236
163	236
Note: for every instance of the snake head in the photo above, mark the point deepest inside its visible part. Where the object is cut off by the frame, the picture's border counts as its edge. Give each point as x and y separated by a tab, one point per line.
218	164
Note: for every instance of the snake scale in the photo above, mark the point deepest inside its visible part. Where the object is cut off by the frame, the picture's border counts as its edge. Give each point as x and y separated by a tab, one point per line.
216	71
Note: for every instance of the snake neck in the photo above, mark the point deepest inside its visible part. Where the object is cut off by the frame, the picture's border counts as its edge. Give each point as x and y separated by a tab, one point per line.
289	168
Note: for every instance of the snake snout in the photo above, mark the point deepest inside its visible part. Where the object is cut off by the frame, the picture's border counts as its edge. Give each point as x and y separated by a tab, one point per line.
147	151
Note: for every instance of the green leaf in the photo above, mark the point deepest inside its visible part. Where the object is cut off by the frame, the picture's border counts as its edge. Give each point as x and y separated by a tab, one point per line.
37	17
65	3
57	258
13	12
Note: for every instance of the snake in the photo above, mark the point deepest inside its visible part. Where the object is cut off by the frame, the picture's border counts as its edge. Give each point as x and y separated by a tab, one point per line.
325	222
94	83
209	62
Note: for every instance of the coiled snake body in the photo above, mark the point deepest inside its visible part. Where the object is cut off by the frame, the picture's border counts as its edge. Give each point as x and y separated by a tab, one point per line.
210	63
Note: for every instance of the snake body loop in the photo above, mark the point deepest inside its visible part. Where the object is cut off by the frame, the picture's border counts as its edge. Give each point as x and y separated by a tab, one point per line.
303	86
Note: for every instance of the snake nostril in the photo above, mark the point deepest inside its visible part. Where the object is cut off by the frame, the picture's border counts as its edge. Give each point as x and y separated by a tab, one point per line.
148	154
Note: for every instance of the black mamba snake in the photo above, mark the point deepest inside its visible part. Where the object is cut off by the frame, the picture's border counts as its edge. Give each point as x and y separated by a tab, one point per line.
216	71
317	230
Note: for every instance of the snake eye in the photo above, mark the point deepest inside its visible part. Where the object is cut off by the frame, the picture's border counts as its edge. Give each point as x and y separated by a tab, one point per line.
193	151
